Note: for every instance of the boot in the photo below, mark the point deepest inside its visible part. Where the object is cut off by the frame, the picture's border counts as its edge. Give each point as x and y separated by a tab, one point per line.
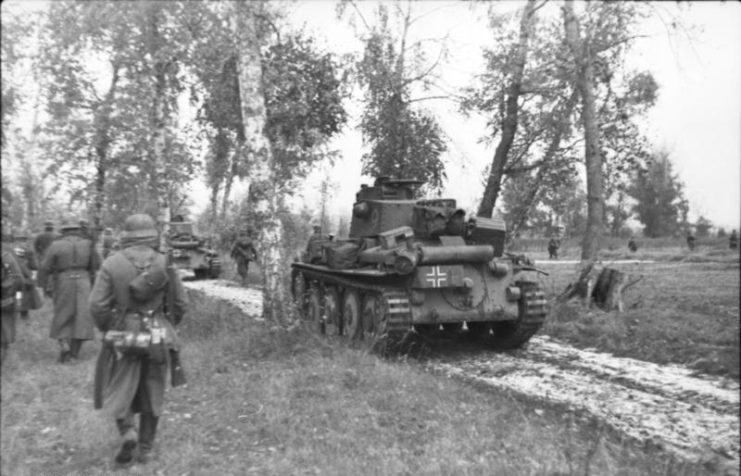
126	453
64	350
148	430
74	348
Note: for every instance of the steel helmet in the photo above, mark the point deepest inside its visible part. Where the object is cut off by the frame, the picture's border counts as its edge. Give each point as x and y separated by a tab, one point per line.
139	225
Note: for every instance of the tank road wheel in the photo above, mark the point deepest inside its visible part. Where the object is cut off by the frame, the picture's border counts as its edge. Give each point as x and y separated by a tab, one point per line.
315	313
375	317
333	311
351	316
532	312
299	292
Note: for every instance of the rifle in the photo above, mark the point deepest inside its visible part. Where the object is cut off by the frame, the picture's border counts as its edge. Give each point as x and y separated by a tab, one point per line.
177	374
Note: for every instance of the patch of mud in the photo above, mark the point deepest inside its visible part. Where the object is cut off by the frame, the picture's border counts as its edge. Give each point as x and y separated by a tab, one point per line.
695	417
248	300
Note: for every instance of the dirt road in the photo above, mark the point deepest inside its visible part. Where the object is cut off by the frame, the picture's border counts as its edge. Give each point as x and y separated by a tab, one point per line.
693	416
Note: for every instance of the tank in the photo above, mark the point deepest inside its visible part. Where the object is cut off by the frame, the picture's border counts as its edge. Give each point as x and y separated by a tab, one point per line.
417	265
187	251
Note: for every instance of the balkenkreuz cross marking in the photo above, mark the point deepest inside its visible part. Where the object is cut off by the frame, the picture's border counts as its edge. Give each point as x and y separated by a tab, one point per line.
436	277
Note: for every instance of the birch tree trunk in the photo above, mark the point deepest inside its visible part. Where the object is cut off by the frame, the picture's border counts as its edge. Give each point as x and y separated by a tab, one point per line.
509	123
102	124
159	126
259	153
592	156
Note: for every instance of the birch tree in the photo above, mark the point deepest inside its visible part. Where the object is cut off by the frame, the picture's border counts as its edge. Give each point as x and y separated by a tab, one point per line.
257	148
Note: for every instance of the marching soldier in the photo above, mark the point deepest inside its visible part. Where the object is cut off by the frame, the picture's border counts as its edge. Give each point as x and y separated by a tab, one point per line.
690	241
243	252
44	239
70	263
26	256
127	382
553	246
12	282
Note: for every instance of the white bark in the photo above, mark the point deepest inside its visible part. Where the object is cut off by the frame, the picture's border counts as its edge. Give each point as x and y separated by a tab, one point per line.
259	153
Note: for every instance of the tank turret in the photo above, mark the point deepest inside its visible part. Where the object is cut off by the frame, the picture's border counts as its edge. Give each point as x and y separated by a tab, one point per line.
421	264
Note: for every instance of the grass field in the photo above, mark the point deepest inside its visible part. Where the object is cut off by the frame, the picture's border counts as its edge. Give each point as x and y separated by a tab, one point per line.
684	310
261	402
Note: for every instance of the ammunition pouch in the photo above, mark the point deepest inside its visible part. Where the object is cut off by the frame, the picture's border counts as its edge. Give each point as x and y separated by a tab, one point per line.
149	341
146	285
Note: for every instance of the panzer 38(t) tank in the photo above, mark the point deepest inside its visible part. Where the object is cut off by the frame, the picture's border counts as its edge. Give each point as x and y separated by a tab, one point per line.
417	264
187	251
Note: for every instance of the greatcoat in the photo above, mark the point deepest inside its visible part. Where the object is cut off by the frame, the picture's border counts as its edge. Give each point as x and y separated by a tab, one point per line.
15	281
42	242
69	263
30	298
130	383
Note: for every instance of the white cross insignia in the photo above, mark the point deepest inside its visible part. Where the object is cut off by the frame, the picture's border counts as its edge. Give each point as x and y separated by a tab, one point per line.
436	277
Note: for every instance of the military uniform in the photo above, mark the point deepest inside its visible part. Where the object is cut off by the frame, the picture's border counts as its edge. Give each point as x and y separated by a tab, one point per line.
26	256
733	240
243	252
12	281
553	246
44	239
130	384
70	263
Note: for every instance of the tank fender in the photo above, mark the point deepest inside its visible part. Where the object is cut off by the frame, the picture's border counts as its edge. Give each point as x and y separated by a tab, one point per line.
455	254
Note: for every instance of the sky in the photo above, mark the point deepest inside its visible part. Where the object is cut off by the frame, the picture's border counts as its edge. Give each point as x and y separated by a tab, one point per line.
697	116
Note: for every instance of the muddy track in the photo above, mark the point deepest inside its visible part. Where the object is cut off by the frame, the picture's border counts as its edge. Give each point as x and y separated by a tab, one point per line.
693	416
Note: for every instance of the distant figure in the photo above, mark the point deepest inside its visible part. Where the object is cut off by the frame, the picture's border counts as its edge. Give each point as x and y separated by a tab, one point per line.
108	241
30	297
690	241
85	229
313	248
553	245
70	263
243	252
733	240
632	245
44	239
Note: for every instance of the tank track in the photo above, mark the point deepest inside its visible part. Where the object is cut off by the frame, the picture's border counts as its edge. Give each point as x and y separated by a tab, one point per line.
532	314
396	303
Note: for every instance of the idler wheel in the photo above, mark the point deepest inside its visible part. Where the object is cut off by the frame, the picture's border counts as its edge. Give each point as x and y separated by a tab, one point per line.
352	318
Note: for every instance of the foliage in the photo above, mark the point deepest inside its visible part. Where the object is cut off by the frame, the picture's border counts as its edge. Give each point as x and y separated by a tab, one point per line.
303	88
658	192
102	125
404	141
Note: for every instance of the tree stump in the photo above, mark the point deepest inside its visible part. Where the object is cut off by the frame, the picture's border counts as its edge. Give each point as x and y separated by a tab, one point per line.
603	286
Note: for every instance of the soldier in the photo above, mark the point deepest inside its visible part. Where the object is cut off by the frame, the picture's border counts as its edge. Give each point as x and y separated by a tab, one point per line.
632	246
733	240
129	383
108	242
70	263
690	241
12	282
243	252
553	245
44	239
30	298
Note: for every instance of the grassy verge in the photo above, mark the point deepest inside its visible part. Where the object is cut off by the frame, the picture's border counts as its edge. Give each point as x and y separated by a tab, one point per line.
260	402
684	312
